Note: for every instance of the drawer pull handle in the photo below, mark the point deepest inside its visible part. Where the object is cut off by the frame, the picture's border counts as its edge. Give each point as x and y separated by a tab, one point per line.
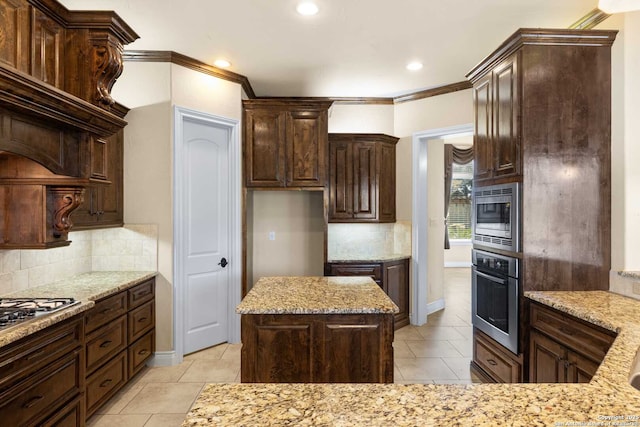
107	310
492	362
143	293
566	330
36	354
142	319
33	401
106	382
106	344
143	352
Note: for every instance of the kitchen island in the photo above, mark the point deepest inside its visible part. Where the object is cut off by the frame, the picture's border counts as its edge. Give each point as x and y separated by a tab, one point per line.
607	400
317	330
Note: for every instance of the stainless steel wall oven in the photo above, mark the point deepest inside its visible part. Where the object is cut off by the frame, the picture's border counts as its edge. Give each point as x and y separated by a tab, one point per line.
494	293
496	216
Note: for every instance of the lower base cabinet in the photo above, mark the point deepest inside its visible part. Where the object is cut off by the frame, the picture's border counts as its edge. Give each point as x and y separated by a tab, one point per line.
494	363
563	349
391	276
340	348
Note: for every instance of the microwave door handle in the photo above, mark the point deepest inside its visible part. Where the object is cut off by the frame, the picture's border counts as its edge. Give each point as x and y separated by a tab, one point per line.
492	278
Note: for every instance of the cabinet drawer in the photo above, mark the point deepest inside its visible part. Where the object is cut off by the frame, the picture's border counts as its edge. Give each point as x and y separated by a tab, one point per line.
106	342
373	270
140	352
494	361
19	360
141	321
72	415
105	382
590	340
106	310
141	293
44	393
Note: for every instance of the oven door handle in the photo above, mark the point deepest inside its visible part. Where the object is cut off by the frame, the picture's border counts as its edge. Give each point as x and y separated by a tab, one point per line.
492	278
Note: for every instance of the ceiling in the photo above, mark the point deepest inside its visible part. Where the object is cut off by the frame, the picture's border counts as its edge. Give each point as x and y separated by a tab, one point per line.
351	48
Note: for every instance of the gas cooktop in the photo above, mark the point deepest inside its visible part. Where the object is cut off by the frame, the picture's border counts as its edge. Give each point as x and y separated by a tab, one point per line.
14	311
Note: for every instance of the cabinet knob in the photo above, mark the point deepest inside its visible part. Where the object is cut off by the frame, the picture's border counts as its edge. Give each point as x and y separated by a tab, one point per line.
223	262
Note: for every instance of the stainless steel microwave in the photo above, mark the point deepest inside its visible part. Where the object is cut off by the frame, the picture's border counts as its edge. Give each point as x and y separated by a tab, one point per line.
496	216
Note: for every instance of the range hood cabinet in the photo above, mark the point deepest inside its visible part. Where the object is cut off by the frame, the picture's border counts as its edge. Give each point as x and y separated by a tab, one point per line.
57	68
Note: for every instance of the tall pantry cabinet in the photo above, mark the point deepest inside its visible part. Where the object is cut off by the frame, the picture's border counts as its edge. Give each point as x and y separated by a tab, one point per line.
542	117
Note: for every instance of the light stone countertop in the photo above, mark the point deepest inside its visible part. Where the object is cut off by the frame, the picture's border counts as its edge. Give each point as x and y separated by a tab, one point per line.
86	288
372	258
608	395
316	295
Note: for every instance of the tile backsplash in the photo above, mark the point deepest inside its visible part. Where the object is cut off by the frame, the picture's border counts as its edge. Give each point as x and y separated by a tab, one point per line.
368	240
132	247
625	283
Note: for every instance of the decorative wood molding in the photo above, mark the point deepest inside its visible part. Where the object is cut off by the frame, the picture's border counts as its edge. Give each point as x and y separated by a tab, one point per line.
194	64
537	36
31	96
344	100
590	20
107	66
434	91
64	200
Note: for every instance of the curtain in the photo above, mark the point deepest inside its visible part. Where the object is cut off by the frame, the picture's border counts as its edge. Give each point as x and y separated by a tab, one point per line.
452	155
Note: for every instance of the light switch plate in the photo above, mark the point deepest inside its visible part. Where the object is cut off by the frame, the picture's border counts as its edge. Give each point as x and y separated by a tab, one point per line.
272	235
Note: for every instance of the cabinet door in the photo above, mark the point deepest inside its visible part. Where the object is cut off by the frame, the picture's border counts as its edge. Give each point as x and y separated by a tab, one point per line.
306	148
386	183
547	360
365	186
340	180
506	135
396	286
483	154
264	149
579	368
48	49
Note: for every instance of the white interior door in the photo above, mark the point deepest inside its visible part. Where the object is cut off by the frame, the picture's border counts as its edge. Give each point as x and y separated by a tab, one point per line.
206	234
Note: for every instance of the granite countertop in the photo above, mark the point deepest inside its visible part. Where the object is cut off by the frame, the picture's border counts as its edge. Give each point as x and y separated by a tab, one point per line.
316	295
369	258
85	288
606	397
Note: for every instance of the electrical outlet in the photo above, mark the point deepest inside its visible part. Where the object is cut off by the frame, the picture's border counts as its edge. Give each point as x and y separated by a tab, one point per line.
272	235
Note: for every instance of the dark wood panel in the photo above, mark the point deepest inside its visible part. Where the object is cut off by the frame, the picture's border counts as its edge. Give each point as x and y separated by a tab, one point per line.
71	415
105	342
14	45
482	143
306	148
579	368
396	285
340	180
141	320
264	151
141	293
105	310
546	360
105	382
497	362
386	198
140	352
506	113
365	180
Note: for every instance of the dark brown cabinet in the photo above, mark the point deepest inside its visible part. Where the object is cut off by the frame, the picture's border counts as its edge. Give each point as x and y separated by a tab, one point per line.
103	199
563	349
42	377
362	178
285	143
332	348
391	276
495	363
120	339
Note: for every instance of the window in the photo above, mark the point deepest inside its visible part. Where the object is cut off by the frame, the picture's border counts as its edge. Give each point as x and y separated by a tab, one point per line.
459	219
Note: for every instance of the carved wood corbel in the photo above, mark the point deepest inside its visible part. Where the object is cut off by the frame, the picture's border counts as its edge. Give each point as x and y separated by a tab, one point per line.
107	66
63	201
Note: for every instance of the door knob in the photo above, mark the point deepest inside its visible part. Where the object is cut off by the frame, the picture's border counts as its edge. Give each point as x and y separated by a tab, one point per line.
223	262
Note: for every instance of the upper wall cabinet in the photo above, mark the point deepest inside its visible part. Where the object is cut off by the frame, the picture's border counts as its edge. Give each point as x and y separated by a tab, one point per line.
497	133
362	177
285	143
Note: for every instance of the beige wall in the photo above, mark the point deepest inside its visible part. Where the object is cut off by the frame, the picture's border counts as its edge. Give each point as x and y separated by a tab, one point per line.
297	219
151	90
367	118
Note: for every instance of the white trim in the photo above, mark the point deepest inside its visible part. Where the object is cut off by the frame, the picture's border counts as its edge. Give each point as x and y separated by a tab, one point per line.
235	241
437	305
419	306
457	264
164	358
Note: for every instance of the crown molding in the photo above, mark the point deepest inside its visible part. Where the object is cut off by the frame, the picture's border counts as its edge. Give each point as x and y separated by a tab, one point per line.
434	91
590	20
188	62
344	100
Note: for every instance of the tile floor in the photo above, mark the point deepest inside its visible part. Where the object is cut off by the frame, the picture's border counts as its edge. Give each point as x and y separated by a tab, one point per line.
438	352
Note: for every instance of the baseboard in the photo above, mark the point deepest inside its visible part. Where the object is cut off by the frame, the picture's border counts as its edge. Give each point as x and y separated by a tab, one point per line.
164	358
437	305
457	264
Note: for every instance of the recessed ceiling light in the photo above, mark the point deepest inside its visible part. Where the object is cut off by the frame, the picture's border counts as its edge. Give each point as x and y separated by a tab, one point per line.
222	63
307	8
414	66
